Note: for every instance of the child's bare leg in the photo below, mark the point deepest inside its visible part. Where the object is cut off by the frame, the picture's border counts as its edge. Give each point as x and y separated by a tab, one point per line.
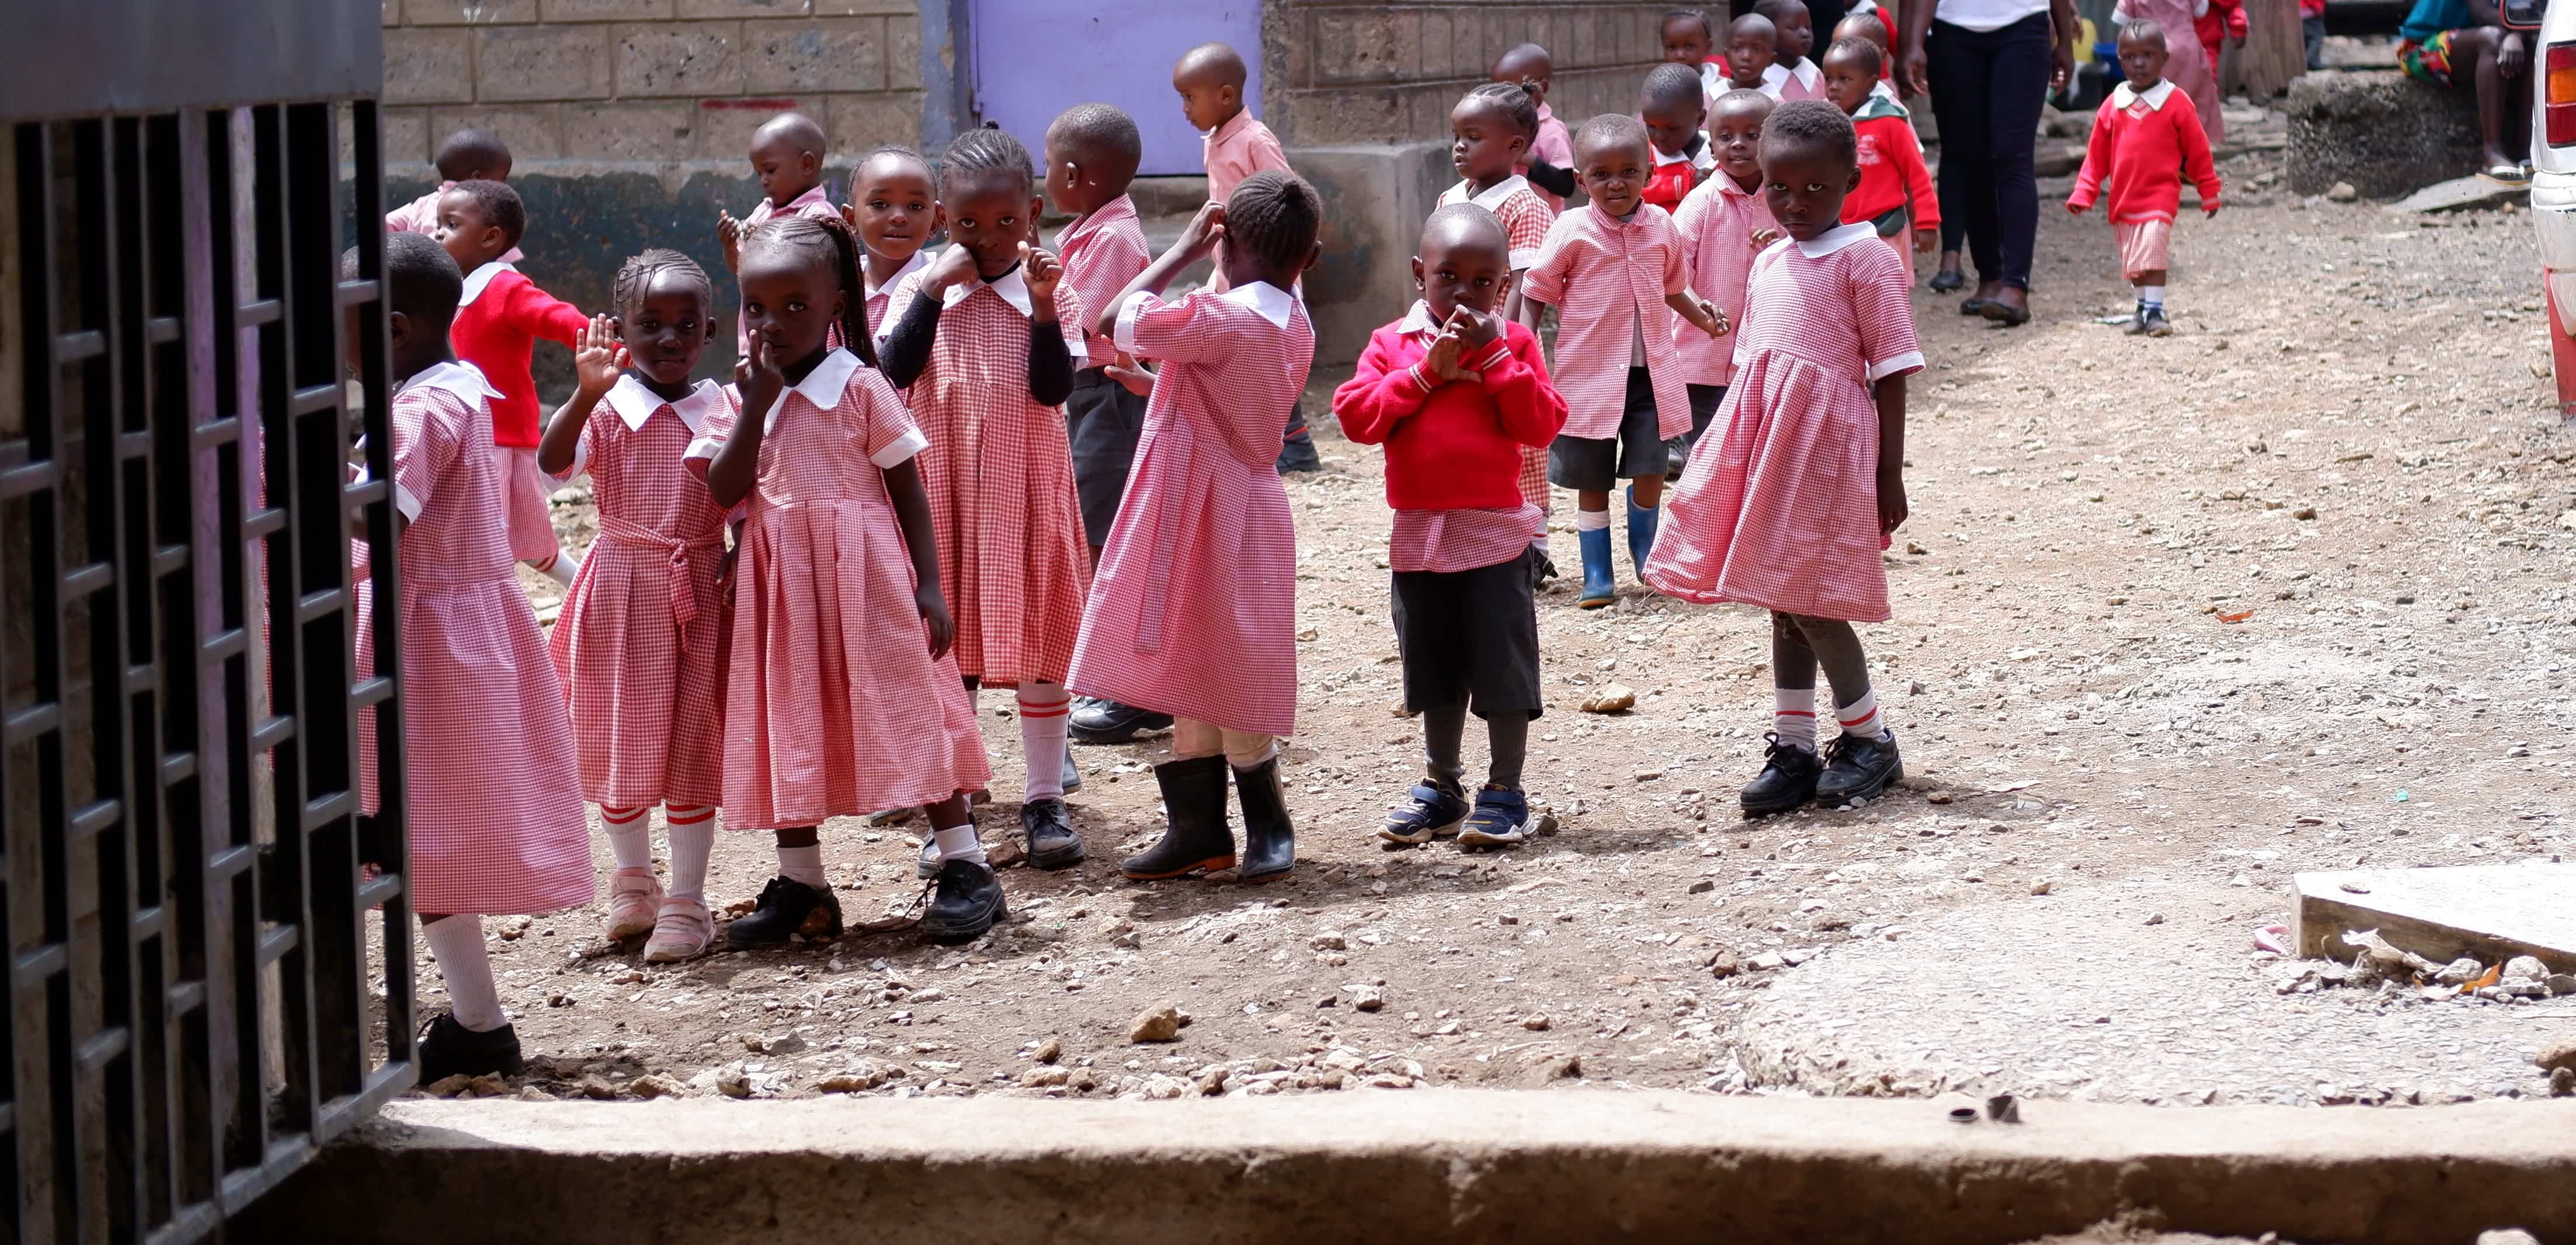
1647	492
2479	46
1585	499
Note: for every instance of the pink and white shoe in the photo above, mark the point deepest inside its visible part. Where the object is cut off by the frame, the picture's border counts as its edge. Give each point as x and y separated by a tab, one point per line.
634	895
683	930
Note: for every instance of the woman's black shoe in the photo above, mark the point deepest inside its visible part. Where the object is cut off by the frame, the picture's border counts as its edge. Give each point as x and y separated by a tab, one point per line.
1196	837
2005	313
965	900
1787	780
1972	306
1052	841
787	907
1946	282
1858	769
447	1049
1269	839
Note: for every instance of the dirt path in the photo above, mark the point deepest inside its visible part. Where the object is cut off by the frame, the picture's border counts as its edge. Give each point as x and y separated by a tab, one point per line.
2350	436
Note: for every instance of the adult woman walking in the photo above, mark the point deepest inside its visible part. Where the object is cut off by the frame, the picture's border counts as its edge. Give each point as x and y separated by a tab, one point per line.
1988	65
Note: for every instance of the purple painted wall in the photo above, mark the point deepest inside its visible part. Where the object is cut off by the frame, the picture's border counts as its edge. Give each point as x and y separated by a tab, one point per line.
1036	58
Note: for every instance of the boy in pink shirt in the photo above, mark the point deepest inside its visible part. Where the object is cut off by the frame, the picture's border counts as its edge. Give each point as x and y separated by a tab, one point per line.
466	156
787	157
1529	68
1210	79
1723	224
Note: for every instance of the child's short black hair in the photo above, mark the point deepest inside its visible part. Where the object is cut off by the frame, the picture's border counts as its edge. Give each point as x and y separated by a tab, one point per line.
1672	84
1775	9
1697	15
899	152
1613	129
1858	49
1100	137
470	151
1276	217
2143	28
1513	102
1814	123
987	150
1468	218
421	280
636	276
499	205
1742	97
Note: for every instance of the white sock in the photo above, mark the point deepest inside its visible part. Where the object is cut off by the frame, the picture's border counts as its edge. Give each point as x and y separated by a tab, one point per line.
959	843
559	568
1860	717
1042	724
693	836
456	942
1591	520
630	835
2152	295
1793	716
802	864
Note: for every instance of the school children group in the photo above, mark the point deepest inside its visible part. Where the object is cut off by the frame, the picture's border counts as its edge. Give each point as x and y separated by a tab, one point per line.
996	463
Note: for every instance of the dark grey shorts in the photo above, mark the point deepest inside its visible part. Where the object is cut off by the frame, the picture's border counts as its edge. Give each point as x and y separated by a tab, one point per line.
1104	421
1596	465
1469	638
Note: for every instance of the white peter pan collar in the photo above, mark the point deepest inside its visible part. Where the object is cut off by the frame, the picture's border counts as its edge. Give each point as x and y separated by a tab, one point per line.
481	277
1418	319
2124	95
1012	286
1835	239
462	379
1274	304
635	404
1493	197
823	386
1807	74
920	260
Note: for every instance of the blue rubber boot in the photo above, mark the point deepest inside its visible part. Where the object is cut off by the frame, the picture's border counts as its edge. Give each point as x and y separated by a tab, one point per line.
1642	523
1598	588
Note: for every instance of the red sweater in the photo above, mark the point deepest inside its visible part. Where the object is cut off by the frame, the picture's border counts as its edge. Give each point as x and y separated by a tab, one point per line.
1892	174
1454	446
497	331
2144	150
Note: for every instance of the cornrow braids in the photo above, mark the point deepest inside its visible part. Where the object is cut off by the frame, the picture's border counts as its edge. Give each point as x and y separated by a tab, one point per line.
988	150
1275	216
637	274
825	242
1513	100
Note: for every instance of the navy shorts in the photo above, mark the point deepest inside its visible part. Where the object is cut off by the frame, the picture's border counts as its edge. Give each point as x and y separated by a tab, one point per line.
1104	421
1596	465
1469	638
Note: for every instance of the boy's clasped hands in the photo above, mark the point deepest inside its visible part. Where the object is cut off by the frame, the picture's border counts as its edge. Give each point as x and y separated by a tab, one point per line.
1466	332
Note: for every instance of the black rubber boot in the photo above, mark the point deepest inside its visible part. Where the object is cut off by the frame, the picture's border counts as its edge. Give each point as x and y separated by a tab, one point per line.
447	1049
1052	841
787	907
1196	837
1269	840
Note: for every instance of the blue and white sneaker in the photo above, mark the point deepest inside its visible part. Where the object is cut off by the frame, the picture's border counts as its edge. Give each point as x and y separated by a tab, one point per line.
1501	819
1427	814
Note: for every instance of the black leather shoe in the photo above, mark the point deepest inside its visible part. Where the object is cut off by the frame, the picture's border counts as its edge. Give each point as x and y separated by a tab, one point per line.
1858	769
1948	282
1787	781
447	1049
965	900
1298	454
1195	837
1269	839
787	907
1098	721
1052	842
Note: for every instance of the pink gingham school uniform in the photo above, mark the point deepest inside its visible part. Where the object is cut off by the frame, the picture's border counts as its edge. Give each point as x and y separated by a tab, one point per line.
1195	610
1785	514
495	815
1234	151
814	204
999	471
1554	144
1717	223
421	216
1608	279
641	640
1526	218
1785	85
833	705
880	296
1101	253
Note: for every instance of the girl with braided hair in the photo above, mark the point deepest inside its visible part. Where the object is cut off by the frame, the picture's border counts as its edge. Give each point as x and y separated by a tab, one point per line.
841	698
640	642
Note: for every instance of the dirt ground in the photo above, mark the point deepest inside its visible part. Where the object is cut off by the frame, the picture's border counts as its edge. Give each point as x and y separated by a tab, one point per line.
2349	446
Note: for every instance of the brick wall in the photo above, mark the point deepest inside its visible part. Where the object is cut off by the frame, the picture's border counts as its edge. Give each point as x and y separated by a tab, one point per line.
648	79
1339	72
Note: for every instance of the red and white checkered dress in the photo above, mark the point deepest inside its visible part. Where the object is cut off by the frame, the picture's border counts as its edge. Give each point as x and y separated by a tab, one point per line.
641	640
1608	279
999	471
1102	252
495	817
880	295
1195	610
1717	223
1785	514
833	705
1526	218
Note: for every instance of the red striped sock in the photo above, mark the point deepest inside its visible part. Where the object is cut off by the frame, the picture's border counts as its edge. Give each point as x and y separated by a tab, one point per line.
630	835
1860	717
1793	716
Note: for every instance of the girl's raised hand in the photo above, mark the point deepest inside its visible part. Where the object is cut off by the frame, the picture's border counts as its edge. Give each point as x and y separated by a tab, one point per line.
1205	231
1041	270
729	232
955	266
597	358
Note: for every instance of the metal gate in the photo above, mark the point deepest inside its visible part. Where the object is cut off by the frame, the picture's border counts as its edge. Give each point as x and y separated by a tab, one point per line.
193	1002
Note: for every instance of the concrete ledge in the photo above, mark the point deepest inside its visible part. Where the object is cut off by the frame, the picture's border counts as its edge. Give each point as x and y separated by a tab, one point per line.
1418	1166
2383	132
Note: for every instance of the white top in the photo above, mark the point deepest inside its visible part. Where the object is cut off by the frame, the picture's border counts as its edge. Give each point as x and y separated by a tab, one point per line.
1986	14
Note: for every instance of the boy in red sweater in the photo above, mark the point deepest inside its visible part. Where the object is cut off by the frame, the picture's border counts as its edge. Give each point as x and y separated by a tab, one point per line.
1454	391
497	325
2146	139
1895	189
1674	108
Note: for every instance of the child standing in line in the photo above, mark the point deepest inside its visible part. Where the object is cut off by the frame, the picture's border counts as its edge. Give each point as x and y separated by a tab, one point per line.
466	156
496	820
1752	49
1529	68
841	698
1793	77
2146	139
1674	111
787	157
1895	194
1866	24
1611	267
895	211
1793	509
1458	395
1690	42
1210	80
640	641
497	326
985	342
1489	133
1722	224
1195	612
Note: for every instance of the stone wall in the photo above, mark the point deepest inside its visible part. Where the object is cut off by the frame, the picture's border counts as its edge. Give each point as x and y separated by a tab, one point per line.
2386	134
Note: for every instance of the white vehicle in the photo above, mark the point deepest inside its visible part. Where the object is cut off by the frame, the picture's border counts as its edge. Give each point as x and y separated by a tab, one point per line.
2553	180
